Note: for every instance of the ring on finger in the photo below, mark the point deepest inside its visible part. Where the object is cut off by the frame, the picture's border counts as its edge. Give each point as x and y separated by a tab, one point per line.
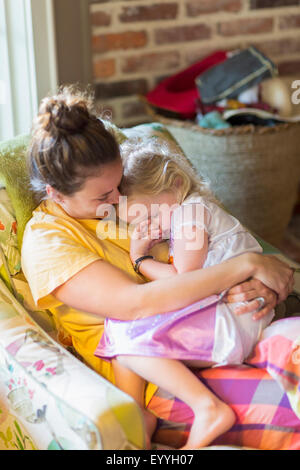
261	301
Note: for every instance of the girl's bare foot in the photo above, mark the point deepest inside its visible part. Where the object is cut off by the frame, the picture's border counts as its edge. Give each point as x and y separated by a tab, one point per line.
210	422
150	425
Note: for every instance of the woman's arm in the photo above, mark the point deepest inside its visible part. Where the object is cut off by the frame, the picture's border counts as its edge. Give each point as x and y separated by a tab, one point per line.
105	290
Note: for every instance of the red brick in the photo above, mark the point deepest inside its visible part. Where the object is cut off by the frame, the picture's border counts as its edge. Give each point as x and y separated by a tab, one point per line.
279	47
196	54
100	18
291	21
153	61
121	88
104	68
114	41
196	8
182	33
291	67
255	4
159	11
246	26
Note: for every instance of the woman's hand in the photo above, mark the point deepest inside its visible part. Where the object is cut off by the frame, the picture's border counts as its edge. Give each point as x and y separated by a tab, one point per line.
144	236
248	292
273	273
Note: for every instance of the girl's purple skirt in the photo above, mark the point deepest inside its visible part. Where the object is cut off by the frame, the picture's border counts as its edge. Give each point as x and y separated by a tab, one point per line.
207	330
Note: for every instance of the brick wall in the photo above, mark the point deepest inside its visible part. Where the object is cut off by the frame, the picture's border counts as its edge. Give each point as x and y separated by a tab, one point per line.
136	43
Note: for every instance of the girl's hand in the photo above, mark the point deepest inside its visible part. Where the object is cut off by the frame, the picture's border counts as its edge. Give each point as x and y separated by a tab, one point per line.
273	273
248	292
144	236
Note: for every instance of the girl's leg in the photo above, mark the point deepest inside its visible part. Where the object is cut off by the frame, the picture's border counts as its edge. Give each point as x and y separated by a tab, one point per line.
129	382
212	416
134	385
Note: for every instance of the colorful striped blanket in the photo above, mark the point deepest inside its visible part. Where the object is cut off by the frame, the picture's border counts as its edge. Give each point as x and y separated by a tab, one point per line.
264	393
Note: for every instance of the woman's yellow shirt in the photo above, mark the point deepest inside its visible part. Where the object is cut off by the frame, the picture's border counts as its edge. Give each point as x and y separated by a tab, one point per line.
55	248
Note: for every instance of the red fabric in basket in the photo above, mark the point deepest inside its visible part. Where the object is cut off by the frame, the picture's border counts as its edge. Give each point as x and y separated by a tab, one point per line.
179	93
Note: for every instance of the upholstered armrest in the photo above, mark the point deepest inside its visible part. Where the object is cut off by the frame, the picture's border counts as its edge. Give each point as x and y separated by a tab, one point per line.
51	400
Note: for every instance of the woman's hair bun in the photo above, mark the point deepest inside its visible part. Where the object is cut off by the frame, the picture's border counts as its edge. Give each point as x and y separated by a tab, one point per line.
65	112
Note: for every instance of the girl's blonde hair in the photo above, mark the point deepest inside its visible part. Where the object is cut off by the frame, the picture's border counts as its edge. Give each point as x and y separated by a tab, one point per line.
153	166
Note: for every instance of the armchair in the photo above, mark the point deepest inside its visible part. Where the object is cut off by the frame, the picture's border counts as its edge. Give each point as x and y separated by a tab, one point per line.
51	400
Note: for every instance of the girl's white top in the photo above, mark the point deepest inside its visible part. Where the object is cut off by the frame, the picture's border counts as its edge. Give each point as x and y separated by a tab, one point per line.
227	237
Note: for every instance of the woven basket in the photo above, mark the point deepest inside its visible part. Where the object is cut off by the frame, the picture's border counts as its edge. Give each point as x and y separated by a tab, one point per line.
253	170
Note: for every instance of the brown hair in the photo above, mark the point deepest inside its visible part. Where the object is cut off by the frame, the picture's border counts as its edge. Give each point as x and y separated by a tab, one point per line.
68	142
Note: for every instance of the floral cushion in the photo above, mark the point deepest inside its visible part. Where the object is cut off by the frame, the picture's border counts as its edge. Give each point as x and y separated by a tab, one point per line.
49	400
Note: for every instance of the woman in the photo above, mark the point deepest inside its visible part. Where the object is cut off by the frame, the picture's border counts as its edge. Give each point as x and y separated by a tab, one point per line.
81	277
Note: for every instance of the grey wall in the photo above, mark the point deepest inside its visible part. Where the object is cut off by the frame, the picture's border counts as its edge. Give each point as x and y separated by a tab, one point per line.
73	37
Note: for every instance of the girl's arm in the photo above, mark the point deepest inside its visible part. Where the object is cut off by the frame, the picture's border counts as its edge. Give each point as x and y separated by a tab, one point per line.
190	249
144	237
154	270
189	253
104	290
189	244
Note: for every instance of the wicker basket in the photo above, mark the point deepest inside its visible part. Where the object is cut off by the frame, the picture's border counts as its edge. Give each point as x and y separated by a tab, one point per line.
254	171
